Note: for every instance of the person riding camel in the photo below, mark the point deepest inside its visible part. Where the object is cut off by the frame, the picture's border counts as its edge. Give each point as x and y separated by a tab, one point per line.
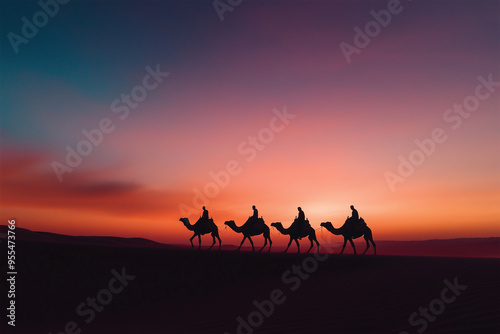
301	221
354	220
302	216
205	213
204	217
355	215
255	212
255	217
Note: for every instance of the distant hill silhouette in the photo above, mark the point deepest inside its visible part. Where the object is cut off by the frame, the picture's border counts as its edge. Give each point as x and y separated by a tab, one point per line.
28	235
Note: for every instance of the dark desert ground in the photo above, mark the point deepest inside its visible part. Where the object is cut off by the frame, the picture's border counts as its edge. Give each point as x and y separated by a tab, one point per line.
170	289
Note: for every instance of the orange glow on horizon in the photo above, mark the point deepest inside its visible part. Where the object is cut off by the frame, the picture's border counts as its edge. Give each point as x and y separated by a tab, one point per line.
79	207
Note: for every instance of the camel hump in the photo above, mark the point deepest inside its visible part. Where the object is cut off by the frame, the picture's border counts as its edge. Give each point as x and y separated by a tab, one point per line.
359	226
254	221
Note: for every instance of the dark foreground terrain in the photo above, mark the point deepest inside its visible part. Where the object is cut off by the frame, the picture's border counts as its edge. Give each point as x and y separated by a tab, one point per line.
85	288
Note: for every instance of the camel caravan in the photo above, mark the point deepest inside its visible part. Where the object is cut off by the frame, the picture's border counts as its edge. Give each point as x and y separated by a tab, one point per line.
353	228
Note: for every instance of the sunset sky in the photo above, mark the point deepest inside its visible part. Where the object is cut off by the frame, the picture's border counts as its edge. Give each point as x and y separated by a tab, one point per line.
347	124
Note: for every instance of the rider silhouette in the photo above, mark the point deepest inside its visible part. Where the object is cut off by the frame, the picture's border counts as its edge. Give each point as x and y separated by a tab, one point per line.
255	213
205	213
301	220
355	215
354	219
204	218
253	219
302	216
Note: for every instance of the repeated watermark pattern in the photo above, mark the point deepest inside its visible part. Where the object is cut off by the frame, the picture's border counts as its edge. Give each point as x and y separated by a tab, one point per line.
121	106
373	28
453	117
436	306
30	28
222	6
248	149
92	305
292	278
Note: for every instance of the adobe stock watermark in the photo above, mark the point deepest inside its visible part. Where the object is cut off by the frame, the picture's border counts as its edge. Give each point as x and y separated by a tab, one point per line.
30	28
248	149
222	6
436	306
453	117
292	278
121	106
372	29
93	305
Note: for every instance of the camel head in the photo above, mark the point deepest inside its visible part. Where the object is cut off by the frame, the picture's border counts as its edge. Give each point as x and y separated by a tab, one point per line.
185	221
326	224
230	223
277	224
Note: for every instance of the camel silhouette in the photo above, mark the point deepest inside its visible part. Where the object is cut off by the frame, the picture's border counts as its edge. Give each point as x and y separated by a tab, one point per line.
348	233
200	228
249	229
296	234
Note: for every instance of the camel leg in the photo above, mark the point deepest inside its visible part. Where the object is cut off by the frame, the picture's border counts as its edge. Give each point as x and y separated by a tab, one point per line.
353	247
369	238
251	242
343	247
310	239
265	243
199	241
220	242
191	240
298	246
367	245
270	244
242	241
288	245
213	243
